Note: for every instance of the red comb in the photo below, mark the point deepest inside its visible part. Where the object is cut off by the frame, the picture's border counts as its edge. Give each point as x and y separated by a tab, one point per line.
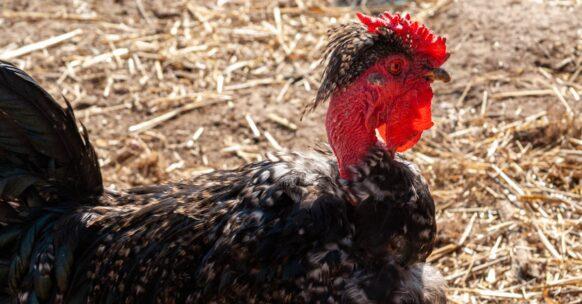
416	36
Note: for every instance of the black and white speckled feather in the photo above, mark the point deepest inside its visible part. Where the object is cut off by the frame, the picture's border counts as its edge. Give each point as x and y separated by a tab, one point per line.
274	231
284	230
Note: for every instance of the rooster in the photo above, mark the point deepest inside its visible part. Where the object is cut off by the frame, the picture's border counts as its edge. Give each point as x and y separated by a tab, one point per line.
296	228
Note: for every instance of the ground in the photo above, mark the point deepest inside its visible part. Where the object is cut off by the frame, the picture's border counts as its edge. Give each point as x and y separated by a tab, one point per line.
173	89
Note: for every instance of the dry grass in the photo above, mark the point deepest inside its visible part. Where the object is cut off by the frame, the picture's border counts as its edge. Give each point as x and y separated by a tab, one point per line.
183	88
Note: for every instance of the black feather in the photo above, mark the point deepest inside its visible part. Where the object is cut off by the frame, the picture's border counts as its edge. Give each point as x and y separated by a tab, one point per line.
4	271
40	143
9	235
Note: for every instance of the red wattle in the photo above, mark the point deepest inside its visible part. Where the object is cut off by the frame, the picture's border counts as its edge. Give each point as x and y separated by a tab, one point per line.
408	118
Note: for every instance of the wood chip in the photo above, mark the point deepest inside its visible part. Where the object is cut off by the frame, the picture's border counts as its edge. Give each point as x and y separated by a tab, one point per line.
41	45
282	121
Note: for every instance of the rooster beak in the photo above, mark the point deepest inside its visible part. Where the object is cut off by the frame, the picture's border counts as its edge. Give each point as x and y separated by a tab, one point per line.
438	74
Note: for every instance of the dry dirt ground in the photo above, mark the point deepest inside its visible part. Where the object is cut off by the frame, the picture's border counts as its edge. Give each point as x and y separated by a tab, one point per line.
174	88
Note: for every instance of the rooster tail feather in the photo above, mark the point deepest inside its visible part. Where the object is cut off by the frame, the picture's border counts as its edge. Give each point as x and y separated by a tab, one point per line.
44	157
46	164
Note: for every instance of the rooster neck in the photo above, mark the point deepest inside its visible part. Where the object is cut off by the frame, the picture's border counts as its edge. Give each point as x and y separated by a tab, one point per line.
347	132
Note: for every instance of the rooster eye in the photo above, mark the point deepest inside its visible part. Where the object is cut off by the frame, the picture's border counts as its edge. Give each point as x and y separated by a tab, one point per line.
395	67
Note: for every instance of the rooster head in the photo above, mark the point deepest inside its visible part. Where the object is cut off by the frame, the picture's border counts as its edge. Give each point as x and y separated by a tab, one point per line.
378	77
